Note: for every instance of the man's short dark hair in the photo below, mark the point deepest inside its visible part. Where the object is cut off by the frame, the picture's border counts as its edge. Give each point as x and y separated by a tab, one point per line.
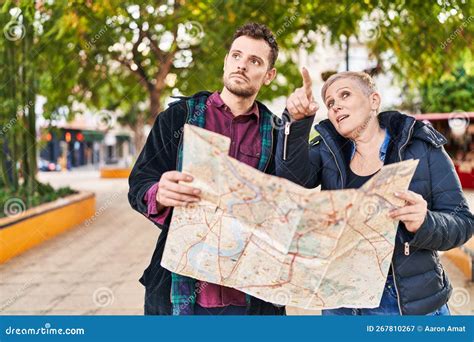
259	31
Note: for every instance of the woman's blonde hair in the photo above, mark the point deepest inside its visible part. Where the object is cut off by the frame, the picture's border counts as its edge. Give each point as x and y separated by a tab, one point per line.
365	81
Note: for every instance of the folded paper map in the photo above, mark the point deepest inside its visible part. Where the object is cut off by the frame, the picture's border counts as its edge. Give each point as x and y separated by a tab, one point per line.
278	241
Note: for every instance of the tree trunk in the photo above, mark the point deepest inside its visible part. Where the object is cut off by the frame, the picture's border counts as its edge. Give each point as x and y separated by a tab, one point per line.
30	105
142	119
138	133
155	104
27	166
12	141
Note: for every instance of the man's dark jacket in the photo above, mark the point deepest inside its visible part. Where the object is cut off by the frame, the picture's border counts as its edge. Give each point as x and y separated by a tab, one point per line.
158	156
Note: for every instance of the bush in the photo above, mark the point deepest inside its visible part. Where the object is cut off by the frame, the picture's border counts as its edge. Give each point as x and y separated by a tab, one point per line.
43	193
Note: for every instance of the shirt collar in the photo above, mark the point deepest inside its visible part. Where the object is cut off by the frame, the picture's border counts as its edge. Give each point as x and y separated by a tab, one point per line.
383	148
217	101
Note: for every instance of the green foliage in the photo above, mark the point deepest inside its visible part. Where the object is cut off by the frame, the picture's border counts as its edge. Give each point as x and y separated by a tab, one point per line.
43	193
128	56
427	38
452	93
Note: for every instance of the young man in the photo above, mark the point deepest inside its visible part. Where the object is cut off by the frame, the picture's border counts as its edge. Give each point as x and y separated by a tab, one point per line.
154	188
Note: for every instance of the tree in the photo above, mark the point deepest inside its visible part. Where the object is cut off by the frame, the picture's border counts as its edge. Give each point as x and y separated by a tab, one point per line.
425	39
25	57
143	53
18	91
128	56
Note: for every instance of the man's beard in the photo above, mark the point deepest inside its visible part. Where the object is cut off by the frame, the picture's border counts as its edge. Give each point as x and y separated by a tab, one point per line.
239	90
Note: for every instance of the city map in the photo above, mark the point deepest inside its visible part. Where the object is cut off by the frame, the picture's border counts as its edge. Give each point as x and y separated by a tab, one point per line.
281	242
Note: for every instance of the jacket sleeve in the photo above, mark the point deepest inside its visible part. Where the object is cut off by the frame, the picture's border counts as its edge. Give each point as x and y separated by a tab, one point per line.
295	159
449	222
157	157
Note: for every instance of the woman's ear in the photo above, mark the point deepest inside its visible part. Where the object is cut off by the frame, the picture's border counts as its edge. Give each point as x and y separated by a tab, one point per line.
375	101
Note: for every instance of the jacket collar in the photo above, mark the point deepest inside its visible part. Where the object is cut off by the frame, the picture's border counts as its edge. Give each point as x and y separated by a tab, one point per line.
399	124
401	128
261	107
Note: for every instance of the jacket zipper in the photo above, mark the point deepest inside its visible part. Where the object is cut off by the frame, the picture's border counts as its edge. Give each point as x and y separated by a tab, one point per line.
396	290
406	244
287	132
406	142
407	248
334	156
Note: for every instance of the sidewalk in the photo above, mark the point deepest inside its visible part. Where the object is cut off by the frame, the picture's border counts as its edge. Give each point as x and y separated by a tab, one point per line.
94	268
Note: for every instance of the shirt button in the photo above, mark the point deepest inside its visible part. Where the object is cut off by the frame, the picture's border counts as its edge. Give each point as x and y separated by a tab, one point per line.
258	154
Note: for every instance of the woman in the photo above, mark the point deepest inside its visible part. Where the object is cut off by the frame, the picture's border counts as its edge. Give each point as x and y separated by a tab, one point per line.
353	144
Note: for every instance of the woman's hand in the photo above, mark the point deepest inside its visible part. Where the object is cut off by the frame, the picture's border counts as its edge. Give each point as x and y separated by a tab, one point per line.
413	213
301	103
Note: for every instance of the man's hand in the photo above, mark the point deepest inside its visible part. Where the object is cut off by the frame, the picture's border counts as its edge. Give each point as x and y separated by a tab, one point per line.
413	214
301	102
172	194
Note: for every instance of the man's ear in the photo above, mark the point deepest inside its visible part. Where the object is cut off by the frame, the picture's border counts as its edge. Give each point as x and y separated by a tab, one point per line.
270	76
225	60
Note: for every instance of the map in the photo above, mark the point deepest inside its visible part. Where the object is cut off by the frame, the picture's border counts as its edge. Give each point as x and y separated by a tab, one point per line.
281	242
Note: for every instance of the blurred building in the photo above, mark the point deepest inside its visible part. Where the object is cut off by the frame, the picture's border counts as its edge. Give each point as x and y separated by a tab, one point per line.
84	141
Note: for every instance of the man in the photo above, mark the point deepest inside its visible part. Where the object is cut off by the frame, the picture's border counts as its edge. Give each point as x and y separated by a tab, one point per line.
154	181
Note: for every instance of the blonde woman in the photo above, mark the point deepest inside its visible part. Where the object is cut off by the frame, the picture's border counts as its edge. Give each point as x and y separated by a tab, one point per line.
353	144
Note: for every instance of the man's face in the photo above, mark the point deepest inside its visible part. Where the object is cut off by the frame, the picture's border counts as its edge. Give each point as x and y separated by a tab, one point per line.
247	67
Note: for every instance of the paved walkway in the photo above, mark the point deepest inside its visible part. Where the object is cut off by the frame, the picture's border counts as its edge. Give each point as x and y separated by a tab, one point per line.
94	268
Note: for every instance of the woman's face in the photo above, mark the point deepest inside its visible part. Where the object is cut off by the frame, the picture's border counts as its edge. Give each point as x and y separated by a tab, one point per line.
349	109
